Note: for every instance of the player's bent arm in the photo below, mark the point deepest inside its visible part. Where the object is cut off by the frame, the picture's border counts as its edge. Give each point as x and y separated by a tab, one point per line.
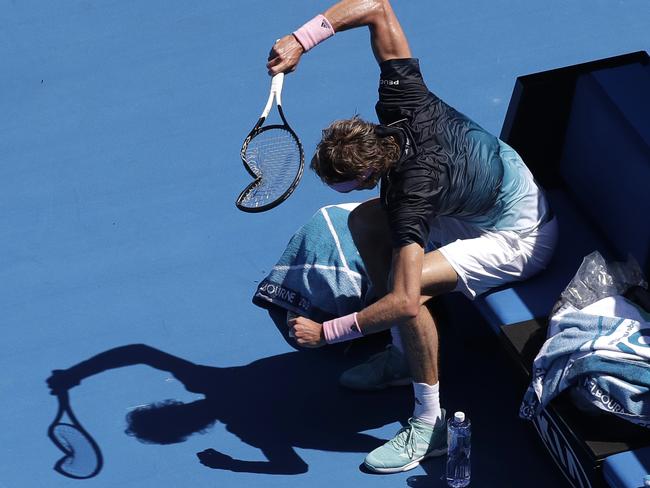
402	303
399	306
386	35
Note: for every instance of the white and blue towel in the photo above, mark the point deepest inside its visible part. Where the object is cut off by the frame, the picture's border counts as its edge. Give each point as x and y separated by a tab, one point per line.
320	275
603	352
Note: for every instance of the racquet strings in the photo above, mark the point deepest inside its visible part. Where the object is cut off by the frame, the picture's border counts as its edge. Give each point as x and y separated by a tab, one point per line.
82	459
274	157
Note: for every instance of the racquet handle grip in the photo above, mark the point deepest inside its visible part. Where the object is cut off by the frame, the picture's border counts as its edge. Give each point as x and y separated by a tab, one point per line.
276	83
275	92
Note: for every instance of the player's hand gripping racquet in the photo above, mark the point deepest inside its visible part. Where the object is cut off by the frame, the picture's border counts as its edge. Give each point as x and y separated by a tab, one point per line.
273	156
82	458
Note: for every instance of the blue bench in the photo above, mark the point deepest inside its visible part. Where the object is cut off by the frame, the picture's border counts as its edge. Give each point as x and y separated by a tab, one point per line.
584	131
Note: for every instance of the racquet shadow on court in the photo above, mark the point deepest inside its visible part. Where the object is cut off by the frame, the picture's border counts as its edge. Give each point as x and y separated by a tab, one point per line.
275	404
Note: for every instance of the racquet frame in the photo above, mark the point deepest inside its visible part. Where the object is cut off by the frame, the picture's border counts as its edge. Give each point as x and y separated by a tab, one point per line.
275	93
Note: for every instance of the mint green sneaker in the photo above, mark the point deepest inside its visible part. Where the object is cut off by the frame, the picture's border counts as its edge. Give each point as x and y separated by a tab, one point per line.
384	369
412	444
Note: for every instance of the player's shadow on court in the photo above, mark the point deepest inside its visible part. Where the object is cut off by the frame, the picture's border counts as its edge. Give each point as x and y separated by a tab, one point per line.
275	404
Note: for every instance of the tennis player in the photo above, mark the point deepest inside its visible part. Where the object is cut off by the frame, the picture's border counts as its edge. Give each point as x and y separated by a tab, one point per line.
458	211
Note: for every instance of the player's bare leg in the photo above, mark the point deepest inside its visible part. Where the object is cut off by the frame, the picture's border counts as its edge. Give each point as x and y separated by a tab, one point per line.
371	234
369	227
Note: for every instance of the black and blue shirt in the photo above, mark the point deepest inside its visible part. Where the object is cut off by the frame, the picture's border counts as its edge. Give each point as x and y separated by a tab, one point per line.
449	164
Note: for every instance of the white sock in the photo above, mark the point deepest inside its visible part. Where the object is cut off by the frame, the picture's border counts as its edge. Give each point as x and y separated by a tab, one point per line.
397	339
427	402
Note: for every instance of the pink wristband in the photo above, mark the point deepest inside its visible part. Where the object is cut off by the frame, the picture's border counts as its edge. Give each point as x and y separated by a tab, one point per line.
342	329
314	32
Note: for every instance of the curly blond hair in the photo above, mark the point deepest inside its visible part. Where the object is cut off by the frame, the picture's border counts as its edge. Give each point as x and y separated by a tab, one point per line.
349	149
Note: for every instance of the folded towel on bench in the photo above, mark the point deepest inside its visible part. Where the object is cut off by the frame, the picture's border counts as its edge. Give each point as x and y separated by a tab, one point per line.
603	350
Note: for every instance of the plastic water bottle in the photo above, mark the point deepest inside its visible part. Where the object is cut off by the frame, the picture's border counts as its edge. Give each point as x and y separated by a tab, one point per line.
646	480
459	435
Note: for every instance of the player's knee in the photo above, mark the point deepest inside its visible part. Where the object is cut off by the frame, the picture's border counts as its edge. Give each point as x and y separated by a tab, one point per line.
368	221
356	221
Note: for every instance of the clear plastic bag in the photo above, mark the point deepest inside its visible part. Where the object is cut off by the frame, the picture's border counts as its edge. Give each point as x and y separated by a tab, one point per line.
597	279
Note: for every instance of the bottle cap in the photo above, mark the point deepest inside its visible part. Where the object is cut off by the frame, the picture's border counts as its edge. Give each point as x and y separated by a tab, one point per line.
459	417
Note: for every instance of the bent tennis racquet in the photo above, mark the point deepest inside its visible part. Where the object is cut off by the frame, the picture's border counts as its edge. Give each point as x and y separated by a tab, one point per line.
82	458
273	156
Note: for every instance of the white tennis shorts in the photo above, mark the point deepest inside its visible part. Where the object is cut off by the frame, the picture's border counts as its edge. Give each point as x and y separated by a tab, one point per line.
485	259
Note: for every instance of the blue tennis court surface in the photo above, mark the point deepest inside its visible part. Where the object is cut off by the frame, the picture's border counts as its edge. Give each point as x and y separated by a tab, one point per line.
121	126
